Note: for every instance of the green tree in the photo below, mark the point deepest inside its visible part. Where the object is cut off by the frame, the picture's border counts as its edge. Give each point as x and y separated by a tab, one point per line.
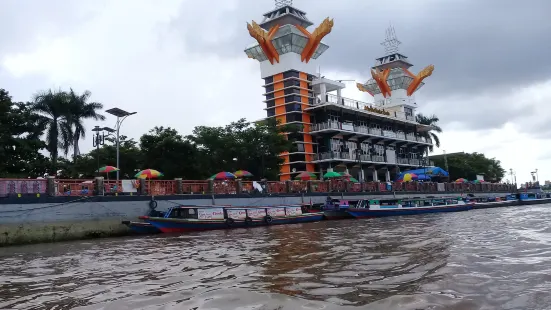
53	108
430	135
164	149
20	143
465	165
243	145
130	157
80	109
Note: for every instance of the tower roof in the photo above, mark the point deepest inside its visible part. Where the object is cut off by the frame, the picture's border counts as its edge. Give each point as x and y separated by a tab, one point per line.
284	14
393	58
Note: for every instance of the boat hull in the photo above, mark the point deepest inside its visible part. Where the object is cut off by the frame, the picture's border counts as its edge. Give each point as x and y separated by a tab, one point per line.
539	201
168	225
367	213
142	227
496	204
336	214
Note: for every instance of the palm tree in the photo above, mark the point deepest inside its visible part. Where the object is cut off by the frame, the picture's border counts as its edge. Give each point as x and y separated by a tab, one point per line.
431	134
79	110
52	108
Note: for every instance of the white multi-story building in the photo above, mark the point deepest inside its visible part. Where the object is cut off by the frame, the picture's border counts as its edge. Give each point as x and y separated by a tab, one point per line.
372	141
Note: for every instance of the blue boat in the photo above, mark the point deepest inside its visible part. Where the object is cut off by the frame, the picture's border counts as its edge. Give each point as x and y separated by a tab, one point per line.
141	227
393	207
196	218
534	198
493	202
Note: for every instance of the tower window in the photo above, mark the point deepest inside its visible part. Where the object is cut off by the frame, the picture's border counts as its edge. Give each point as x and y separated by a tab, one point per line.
290	74
269	80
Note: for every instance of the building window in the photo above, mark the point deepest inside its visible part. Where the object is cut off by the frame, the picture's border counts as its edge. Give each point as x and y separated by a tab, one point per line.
270	104
300	147
289	91
294	117
290	74
271	112
269	80
293	98
293	107
295	137
408	111
297	157
269	88
290	83
270	96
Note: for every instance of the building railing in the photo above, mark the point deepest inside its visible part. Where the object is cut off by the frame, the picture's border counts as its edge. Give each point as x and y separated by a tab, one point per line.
56	187
368	131
363	106
369	158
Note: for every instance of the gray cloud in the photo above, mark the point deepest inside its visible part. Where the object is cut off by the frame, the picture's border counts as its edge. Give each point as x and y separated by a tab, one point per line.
478	47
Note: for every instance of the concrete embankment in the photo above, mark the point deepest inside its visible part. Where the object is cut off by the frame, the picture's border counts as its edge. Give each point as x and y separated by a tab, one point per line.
50	219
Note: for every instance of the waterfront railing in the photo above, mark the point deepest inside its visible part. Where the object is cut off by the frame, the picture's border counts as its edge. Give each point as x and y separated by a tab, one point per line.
101	187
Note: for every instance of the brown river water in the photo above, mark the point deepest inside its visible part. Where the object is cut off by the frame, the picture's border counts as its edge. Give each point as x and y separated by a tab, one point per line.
480	259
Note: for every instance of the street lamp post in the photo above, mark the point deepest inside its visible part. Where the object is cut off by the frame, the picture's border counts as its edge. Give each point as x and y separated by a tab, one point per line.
99	139
121	116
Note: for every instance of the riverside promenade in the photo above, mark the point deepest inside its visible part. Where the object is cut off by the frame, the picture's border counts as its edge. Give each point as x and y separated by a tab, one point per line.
49	210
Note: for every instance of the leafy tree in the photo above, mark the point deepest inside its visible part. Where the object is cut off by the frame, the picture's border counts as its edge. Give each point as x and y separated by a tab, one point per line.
53	108
465	165
431	134
19	140
242	145
164	149
80	109
86	165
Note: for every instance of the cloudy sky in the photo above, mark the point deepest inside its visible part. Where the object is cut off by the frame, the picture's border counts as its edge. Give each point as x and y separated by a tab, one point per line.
180	63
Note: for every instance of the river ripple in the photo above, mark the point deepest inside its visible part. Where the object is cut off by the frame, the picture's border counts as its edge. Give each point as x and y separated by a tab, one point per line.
481	259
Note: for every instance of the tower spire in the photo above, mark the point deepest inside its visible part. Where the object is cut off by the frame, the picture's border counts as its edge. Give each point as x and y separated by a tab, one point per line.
282	3
391	42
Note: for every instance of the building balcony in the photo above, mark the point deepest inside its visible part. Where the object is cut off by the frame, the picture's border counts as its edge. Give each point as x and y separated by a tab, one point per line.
366	131
368	108
375	159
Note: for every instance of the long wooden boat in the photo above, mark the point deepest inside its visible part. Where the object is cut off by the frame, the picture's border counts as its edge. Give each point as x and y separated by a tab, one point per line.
186	218
337	209
142	227
393	207
534	198
493	202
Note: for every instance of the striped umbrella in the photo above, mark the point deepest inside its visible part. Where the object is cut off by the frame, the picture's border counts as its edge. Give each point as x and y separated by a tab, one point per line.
306	176
242	174
224	175
148	174
107	169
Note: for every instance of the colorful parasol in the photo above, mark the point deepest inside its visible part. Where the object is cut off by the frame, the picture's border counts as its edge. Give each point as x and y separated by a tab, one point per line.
409	177
306	176
148	174
353	180
242	174
224	175
107	169
461	180
332	174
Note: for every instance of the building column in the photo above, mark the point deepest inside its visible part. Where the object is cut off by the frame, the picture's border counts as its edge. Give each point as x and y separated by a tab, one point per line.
387	175
323	92
339	96
375	177
361	176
